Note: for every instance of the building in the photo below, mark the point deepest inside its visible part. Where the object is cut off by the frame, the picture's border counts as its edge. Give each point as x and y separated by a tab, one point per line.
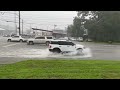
54	33
59	33
41	32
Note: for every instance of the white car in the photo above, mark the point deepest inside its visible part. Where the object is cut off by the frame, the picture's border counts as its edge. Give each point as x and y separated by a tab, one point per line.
16	38
58	46
64	38
40	40
80	39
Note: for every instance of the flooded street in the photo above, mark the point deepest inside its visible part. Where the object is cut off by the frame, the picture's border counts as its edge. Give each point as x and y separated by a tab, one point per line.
42	53
16	51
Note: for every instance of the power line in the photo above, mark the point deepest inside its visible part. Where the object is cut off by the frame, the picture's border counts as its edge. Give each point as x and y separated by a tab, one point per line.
37	24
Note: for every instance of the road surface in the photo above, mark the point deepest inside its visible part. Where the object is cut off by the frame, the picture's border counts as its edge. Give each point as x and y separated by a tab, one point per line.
11	52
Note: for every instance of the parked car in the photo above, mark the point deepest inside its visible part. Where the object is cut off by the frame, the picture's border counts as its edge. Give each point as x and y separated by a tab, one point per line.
64	38
72	39
89	40
80	39
6	35
40	40
16	38
59	46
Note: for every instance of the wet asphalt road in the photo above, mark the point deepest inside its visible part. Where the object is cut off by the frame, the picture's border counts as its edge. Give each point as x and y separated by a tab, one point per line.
11	52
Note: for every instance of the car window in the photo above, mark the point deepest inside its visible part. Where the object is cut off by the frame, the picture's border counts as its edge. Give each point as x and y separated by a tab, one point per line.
40	38
15	36
49	37
54	42
23	36
65	43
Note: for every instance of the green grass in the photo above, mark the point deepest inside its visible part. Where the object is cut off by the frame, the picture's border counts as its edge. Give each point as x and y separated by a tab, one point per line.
61	69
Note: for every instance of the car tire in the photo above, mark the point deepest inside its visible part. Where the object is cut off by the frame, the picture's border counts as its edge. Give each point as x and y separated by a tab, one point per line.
80	51
20	40
56	50
9	40
31	43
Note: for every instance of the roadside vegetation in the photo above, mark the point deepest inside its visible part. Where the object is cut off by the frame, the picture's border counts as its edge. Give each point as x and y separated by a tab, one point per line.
61	69
100	26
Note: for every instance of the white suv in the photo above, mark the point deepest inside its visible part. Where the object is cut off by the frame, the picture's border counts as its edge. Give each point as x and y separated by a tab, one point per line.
59	46
16	38
40	40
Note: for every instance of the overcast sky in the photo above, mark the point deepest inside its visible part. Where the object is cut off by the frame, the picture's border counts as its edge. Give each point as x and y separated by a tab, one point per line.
42	19
47	19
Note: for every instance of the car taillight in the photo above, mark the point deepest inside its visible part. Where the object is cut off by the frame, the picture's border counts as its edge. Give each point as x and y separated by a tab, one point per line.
50	46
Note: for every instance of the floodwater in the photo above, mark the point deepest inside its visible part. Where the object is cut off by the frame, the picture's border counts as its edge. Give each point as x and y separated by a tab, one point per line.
44	53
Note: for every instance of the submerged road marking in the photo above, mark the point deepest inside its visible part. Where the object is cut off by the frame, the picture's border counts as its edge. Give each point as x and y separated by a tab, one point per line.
11	45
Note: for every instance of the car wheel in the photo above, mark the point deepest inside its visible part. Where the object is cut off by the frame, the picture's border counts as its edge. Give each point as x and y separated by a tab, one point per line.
56	50
47	43
9	40
80	51
21	40
31	43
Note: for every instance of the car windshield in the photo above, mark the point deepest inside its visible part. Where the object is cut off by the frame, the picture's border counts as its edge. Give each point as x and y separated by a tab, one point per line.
15	36
65	43
54	42
49	37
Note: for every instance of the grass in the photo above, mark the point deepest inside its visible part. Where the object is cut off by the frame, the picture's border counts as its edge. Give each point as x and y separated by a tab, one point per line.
61	69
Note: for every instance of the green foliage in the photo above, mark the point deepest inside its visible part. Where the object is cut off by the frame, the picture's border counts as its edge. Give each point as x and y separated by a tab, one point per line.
75	30
102	25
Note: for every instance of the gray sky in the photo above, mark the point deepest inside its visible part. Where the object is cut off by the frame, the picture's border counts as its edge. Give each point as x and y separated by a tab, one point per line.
41	19
47	19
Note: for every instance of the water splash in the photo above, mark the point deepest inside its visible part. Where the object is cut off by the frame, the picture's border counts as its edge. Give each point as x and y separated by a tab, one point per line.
44	53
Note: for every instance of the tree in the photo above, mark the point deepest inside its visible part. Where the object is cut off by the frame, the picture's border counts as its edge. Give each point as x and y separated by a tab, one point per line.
101	25
70	30
75	30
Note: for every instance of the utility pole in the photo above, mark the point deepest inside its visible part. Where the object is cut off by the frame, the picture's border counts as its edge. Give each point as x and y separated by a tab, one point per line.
54	26
54	30
22	26
15	22
19	22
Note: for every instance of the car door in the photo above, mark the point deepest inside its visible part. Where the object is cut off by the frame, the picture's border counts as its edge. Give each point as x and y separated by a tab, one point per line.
71	47
63	46
49	38
15	38
39	39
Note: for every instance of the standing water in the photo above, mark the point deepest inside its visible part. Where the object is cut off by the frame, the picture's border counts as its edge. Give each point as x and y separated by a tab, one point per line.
44	53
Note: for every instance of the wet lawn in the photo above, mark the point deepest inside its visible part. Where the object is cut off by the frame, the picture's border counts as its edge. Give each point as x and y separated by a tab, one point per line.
61	69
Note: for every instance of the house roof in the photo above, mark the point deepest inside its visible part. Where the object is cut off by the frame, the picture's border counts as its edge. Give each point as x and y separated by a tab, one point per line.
42	30
54	31
59	31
